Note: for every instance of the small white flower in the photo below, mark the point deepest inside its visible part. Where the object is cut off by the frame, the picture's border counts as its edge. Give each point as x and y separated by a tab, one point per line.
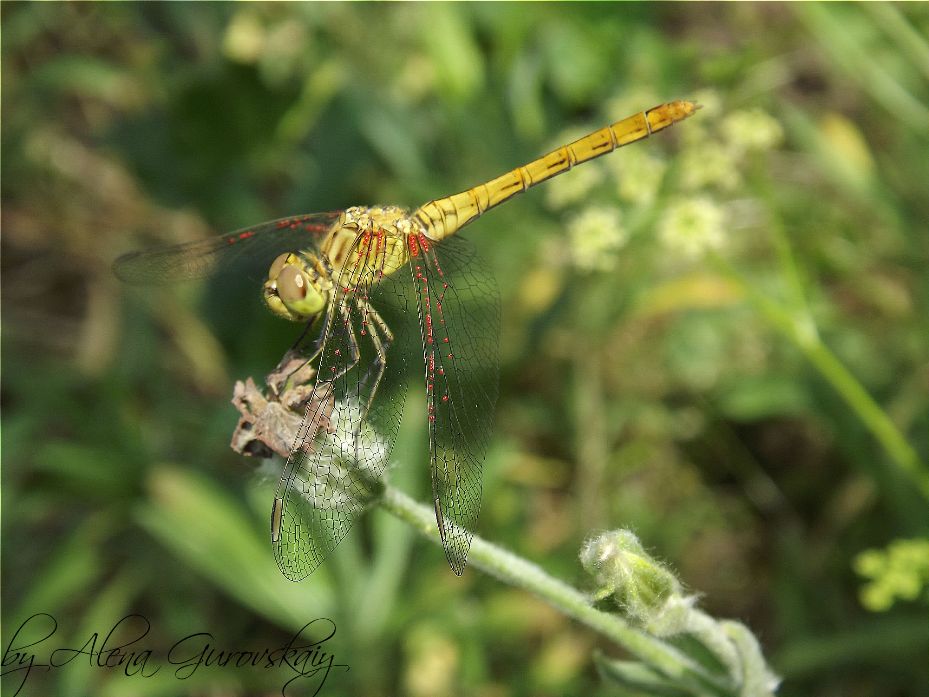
690	227
573	186
752	130
596	235
639	175
245	38
710	103
709	163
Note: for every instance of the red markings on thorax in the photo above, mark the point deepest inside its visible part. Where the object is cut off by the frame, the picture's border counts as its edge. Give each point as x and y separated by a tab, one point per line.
364	244
414	245
373	257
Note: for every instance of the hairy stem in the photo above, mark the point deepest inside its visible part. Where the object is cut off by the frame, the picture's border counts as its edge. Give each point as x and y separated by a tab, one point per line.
518	572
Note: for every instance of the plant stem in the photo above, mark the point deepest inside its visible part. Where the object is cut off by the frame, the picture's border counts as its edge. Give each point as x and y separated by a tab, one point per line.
801	330
518	572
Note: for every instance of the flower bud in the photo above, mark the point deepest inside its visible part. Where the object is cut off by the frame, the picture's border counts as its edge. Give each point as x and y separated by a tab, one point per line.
621	568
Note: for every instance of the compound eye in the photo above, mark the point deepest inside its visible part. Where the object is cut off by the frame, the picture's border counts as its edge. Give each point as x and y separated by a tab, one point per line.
277	265
291	284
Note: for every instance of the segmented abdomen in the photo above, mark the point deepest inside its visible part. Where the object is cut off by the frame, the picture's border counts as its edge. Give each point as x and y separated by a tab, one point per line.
445	216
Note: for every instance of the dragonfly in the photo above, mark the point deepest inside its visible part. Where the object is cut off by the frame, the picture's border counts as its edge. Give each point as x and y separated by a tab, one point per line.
356	278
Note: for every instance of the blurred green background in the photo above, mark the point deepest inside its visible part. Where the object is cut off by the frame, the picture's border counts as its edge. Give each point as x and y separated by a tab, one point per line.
692	327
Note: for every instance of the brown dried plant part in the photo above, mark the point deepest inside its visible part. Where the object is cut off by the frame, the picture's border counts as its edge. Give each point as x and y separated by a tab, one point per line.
269	420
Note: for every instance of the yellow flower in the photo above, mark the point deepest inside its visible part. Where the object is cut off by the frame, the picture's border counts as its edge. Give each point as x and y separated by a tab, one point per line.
898	572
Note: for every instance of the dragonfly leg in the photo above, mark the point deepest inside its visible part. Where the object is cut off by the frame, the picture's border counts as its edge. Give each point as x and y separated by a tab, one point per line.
344	310
294	361
381	346
385	330
352	342
306	329
301	365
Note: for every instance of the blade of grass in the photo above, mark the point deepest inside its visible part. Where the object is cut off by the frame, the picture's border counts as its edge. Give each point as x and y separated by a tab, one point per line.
862	67
801	331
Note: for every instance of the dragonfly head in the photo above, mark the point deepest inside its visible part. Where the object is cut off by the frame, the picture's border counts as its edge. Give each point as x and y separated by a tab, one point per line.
297	287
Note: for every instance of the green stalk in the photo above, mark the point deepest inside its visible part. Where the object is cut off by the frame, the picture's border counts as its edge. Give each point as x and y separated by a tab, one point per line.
870	73
518	572
802	332
901	32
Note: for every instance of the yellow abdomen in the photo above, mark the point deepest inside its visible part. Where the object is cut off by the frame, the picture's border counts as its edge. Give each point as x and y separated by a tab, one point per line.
445	216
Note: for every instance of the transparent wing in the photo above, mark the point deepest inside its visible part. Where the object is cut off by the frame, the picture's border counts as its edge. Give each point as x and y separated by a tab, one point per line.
459	312
352	419
253	247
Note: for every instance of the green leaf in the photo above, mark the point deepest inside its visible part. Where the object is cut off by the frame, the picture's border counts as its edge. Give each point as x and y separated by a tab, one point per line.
639	678
449	38
763	396
72	568
215	536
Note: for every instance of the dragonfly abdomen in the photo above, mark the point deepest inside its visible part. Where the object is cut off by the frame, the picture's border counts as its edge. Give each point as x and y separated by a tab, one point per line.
445	216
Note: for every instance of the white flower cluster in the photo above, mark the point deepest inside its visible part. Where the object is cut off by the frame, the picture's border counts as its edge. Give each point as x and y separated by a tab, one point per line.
714	150
692	226
596	234
572	187
639	175
752	130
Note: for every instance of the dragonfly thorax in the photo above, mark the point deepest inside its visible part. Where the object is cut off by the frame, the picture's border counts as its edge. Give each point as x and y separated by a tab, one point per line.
390	219
369	242
298	286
